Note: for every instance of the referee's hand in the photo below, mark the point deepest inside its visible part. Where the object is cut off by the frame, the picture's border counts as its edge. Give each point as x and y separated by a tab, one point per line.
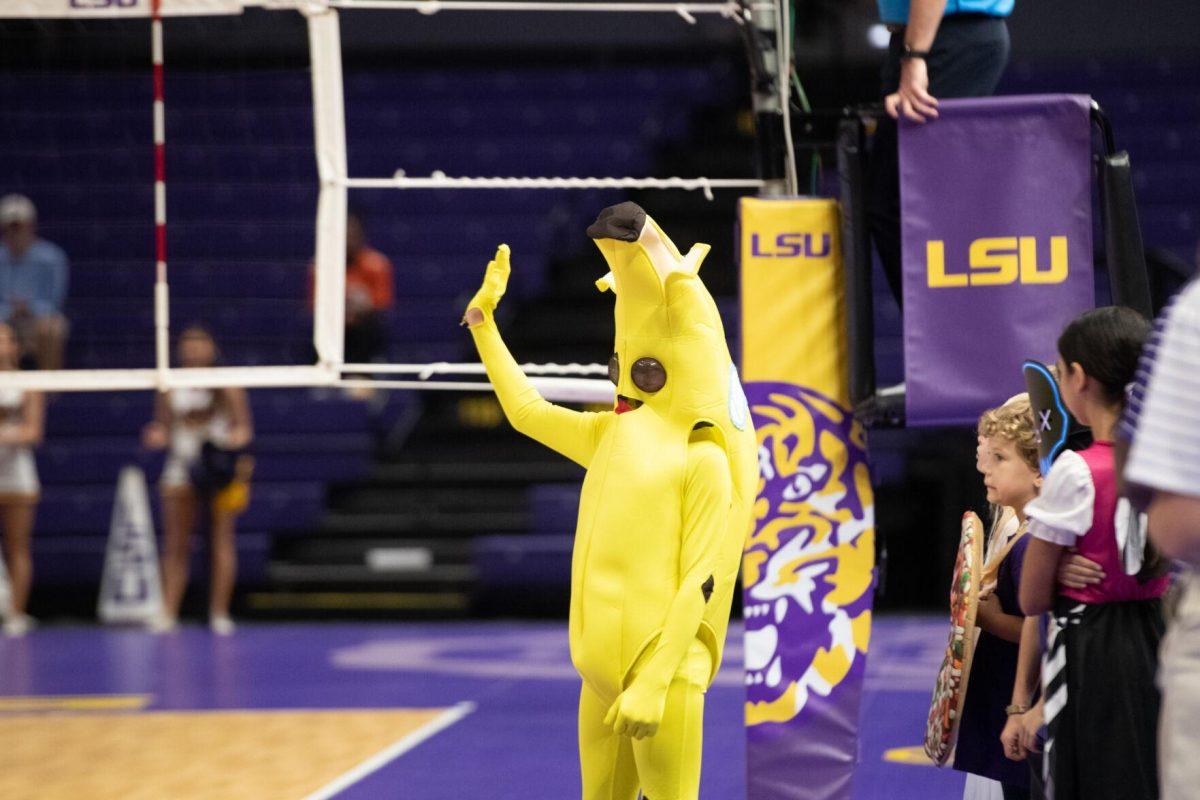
912	98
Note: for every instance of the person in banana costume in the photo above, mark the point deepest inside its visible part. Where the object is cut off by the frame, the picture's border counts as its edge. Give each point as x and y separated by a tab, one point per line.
664	509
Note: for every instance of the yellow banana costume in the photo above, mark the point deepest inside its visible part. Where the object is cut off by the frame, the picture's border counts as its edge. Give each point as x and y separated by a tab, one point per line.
664	510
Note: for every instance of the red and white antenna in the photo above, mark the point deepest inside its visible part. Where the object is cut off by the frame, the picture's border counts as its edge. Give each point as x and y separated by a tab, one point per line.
161	294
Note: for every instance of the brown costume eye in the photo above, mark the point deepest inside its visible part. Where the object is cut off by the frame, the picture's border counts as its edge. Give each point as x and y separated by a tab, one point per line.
614	369
648	375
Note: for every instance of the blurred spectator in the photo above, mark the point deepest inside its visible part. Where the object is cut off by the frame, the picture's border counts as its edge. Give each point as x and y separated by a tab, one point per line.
21	425
206	476
33	284
370	293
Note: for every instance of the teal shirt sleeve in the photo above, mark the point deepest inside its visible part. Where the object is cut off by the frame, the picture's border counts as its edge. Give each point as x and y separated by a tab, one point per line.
896	11
893	11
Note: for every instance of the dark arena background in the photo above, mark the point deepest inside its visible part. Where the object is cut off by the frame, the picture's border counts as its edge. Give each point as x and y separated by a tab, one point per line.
404	560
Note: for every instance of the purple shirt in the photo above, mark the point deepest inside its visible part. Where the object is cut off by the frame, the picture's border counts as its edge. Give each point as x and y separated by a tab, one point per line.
989	689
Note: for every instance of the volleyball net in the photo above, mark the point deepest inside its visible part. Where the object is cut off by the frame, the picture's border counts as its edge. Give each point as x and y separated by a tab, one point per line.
175	137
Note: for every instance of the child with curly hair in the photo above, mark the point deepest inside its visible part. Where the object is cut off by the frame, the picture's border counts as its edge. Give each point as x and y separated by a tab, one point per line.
1009	461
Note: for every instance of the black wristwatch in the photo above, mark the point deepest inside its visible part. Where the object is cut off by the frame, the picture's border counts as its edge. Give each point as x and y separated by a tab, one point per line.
909	52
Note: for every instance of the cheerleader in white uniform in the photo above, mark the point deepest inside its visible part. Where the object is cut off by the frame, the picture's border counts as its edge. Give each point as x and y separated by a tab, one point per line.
184	421
22	415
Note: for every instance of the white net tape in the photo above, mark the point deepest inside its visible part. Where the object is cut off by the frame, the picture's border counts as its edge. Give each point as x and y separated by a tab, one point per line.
47	9
685	10
440	181
426	371
561	390
117	380
550	379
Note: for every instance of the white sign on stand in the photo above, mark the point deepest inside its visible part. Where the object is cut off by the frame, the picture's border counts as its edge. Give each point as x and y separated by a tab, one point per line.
130	591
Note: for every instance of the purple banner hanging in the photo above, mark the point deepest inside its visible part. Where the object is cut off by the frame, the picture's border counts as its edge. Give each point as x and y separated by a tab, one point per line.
997	246
808	568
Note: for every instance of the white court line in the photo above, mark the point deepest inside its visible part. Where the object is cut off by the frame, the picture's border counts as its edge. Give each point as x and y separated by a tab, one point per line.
399	748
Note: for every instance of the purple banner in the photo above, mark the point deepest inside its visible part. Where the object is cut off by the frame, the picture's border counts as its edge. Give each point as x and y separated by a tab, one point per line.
808	574
996	226
808	565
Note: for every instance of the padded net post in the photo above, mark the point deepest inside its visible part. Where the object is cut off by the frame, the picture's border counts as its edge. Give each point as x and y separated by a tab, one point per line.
856	253
1123	236
329	122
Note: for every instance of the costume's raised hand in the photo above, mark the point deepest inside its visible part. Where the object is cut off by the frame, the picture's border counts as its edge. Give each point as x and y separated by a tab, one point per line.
638	711
495	281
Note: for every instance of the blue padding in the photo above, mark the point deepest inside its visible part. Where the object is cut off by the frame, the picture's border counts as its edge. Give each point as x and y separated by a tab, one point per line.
58	452
87	510
1177	229
522	560
555	507
628	116
79	560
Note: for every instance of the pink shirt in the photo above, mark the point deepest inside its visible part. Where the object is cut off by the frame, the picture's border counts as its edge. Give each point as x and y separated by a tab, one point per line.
1079	507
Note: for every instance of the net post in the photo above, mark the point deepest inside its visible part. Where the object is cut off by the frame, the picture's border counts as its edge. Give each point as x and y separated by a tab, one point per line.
329	128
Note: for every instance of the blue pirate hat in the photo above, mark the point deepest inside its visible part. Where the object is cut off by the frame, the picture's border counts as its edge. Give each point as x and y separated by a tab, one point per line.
1057	430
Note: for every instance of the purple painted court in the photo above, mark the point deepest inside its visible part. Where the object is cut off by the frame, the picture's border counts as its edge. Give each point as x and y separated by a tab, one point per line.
517	676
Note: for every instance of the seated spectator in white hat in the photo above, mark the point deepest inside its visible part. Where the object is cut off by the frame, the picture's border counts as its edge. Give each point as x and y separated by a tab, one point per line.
33	284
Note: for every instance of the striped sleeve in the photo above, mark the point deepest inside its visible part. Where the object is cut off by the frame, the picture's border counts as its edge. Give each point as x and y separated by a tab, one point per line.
1135	396
1165	453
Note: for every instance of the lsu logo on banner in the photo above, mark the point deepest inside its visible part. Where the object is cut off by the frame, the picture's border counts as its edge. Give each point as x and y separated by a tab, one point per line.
998	261
796	244
792	286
